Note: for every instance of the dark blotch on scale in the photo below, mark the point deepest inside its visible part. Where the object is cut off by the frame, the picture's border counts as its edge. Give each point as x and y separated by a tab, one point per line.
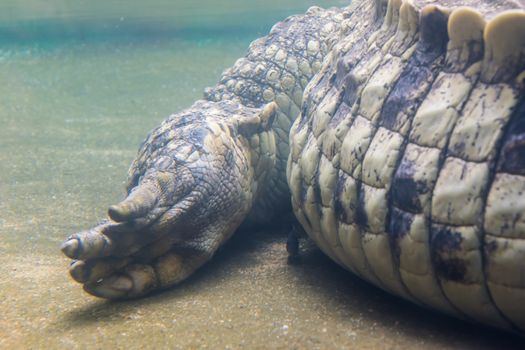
434	32
406	190
398	227
512	158
490	247
405	97
304	191
317	190
350	87
457	149
339	206
360	213
444	245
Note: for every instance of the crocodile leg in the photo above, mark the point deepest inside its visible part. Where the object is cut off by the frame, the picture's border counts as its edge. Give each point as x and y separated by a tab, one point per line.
205	170
192	185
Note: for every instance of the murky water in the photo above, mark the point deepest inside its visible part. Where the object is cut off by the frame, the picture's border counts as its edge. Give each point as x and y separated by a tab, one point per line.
82	82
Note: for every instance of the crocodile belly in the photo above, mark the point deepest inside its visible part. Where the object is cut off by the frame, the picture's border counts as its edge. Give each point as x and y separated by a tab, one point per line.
407	163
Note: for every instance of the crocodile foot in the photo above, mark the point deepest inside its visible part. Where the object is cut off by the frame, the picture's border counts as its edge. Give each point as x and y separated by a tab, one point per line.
190	188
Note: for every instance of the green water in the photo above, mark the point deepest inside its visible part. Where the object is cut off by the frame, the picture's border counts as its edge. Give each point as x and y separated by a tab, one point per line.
74	108
72	116
58	19
81	84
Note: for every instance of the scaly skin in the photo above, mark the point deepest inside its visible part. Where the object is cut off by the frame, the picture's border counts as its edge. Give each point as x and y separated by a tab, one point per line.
191	186
406	164
205	170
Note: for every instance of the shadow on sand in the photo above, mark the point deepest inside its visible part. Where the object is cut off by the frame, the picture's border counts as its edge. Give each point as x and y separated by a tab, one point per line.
317	278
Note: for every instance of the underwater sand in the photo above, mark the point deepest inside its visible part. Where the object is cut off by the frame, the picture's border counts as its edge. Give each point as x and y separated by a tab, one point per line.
79	91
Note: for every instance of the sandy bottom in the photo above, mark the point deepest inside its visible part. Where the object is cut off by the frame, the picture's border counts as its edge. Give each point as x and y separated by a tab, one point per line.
247	297
72	116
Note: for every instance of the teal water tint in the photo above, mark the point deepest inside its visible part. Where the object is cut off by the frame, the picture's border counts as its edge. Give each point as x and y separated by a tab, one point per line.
72	118
82	82
57	19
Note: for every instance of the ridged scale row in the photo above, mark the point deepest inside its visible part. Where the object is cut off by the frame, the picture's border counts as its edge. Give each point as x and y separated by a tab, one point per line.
407	164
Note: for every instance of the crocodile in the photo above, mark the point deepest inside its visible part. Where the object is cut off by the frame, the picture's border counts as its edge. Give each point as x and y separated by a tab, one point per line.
397	128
